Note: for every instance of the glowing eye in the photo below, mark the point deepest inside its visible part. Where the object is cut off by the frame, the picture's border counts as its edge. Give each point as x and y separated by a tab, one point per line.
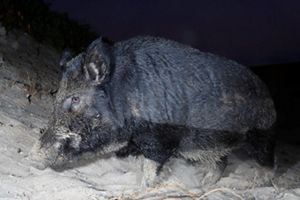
75	99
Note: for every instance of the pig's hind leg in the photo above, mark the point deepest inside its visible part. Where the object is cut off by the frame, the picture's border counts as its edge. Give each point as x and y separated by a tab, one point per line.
208	150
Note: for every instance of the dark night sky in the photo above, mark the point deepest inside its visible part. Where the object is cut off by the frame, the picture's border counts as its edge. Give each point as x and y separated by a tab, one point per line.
252	32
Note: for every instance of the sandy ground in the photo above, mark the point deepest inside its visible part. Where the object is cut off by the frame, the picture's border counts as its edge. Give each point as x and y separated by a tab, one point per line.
28	69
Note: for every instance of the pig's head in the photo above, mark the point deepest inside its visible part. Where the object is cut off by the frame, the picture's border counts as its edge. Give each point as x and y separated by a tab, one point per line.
83	119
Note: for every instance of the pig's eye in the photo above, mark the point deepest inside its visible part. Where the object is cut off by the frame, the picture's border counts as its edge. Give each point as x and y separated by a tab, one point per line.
75	100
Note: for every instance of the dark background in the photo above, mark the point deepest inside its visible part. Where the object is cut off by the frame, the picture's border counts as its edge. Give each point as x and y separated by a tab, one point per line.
253	32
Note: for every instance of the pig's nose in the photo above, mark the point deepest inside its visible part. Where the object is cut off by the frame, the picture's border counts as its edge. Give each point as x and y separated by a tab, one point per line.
37	157
37	164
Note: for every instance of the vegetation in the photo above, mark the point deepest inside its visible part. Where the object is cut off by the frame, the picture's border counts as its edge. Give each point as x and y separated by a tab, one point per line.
35	18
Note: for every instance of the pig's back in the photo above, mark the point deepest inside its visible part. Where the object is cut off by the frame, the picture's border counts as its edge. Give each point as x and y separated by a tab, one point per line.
163	81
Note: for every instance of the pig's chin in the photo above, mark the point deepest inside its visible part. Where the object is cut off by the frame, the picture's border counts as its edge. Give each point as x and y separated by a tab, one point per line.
61	163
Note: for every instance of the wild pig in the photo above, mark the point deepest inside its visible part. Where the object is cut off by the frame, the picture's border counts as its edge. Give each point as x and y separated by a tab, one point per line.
158	98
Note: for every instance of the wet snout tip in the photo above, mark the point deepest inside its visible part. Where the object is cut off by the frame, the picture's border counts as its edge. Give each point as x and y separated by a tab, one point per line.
37	158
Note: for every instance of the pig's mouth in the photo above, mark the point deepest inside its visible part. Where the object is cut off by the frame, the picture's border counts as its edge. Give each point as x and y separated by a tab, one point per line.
66	149
57	159
42	157
55	149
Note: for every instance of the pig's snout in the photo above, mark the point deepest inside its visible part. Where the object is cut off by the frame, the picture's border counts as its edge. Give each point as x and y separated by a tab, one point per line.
37	157
41	158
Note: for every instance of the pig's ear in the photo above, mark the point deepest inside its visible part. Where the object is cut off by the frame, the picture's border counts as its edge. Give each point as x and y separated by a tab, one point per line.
98	61
66	56
73	68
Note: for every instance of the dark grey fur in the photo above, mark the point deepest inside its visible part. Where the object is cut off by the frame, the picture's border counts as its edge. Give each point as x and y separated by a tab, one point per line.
66	56
154	97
